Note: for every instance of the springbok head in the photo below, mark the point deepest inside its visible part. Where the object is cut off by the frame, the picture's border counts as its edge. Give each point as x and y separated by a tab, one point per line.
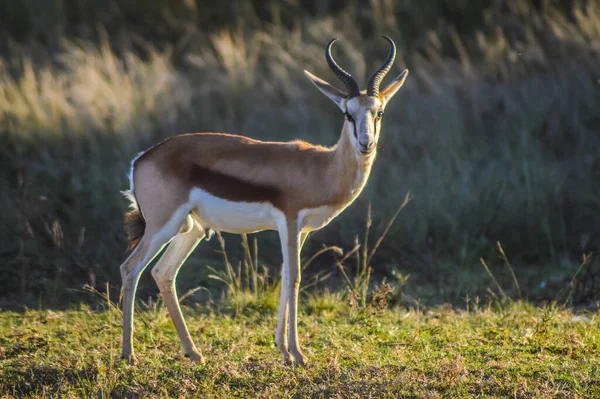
363	109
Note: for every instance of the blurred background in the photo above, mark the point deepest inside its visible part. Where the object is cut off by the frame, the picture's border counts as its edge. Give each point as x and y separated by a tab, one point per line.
496	135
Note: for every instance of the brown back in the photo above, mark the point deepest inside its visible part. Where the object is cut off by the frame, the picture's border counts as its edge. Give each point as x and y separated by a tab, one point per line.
291	176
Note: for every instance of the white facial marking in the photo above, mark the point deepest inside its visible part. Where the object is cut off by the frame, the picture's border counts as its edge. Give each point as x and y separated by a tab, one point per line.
365	127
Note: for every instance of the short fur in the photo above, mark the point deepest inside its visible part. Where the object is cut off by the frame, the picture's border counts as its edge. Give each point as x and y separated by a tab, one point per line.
238	168
193	182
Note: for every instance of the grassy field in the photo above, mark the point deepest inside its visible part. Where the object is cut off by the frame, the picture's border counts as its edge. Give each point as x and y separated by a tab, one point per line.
495	133
506	349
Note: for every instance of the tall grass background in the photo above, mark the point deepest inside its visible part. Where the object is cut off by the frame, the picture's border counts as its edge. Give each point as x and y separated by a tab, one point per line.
495	135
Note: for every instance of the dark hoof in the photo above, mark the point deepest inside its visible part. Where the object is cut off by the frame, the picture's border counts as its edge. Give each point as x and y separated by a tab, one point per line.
196	357
131	359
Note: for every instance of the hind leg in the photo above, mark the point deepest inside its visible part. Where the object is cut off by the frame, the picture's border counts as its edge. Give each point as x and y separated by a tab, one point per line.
165	273
151	244
131	270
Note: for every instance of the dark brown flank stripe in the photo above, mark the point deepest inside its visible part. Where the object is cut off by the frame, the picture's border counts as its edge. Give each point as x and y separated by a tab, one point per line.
240	169
231	188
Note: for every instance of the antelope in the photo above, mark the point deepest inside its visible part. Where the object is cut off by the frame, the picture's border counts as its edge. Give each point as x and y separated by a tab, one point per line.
192	184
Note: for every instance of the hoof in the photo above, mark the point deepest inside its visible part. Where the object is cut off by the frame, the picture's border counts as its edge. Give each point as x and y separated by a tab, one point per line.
196	357
301	360
286	355
131	359
288	358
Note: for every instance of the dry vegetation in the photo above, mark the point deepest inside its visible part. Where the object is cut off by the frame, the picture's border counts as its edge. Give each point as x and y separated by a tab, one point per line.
495	135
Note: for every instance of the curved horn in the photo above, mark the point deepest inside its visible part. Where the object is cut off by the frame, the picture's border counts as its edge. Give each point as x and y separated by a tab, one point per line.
350	83
377	77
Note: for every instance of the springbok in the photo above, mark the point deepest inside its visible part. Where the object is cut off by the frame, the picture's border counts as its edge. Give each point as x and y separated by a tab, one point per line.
190	184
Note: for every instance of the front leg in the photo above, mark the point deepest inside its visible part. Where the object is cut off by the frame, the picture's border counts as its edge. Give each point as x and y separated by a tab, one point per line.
281	339
281	333
293	287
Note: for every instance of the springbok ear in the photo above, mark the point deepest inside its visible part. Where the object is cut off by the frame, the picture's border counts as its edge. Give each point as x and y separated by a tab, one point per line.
335	94
391	89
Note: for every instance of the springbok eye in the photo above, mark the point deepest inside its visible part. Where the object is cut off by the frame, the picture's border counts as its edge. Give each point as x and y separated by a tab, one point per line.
349	117
380	114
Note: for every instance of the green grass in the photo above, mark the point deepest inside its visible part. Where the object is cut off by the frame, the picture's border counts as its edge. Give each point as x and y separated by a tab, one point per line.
495	133
501	350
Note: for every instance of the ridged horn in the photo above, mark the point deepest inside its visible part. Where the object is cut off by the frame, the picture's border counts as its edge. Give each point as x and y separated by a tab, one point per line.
350	83
377	77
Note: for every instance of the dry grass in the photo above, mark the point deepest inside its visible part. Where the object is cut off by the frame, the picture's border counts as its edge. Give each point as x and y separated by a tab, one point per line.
495	135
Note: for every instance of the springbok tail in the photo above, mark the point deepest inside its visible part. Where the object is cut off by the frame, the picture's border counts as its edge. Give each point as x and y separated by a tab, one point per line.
134	223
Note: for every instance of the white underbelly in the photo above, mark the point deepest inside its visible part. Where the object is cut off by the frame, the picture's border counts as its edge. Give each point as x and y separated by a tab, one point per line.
233	217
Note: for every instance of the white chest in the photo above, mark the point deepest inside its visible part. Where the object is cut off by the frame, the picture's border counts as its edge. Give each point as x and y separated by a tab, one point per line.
316	218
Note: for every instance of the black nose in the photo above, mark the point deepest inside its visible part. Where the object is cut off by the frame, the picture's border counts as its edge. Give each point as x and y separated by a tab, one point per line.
368	145
367	148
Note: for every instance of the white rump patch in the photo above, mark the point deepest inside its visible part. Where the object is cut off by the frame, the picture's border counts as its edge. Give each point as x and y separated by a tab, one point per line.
129	194
133	204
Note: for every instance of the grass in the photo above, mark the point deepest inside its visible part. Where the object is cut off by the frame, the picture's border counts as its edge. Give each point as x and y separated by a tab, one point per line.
494	134
504	349
366	340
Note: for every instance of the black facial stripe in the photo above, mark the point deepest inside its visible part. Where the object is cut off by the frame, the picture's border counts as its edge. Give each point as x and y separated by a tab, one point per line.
351	119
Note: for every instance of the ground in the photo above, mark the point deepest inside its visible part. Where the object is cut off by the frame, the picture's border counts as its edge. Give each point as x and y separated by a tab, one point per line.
509	349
